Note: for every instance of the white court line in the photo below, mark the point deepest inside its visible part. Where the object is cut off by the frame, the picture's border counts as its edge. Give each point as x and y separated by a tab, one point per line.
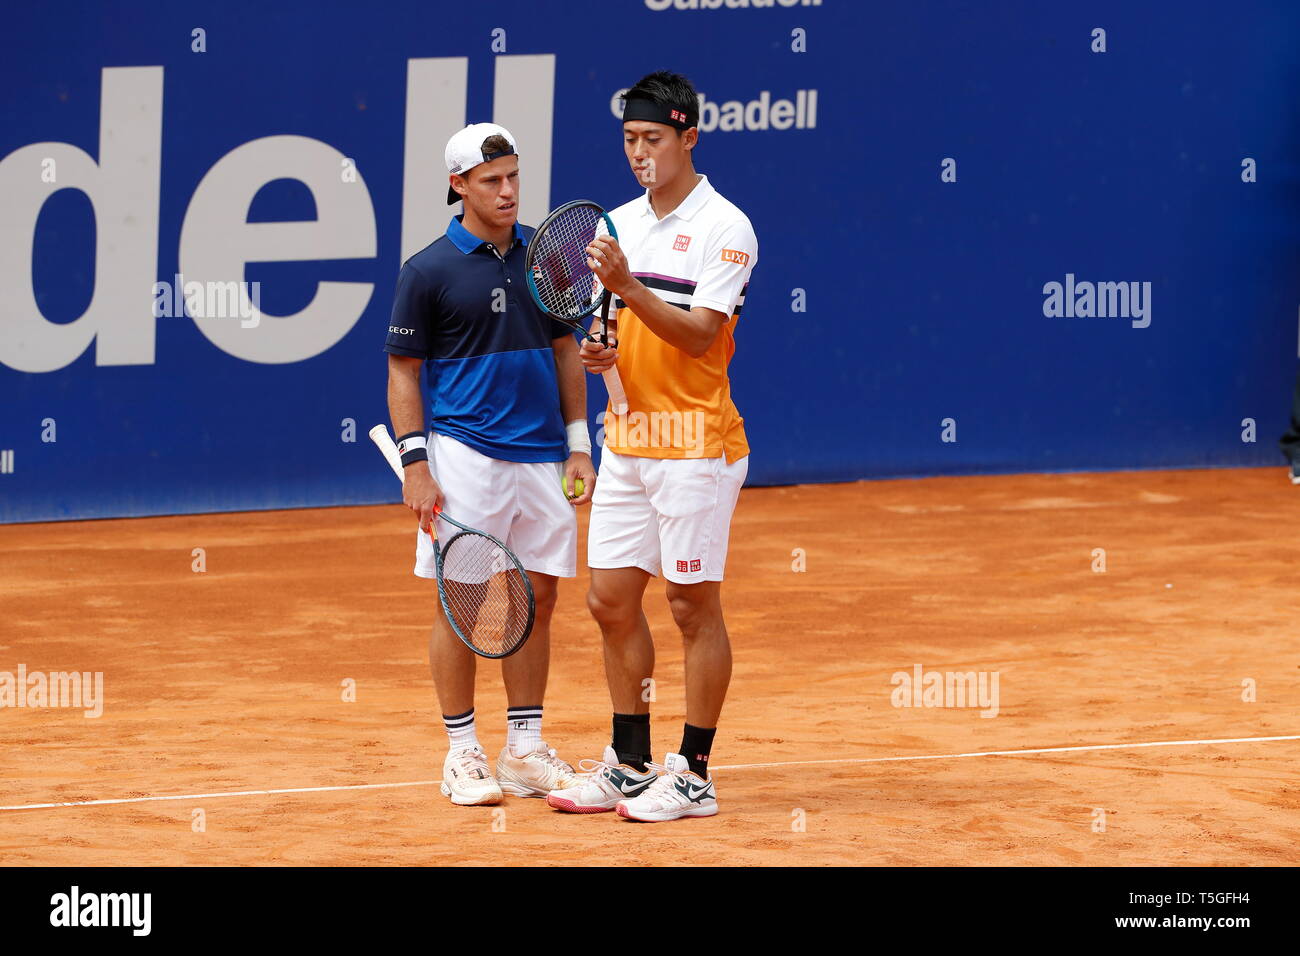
739	766
1005	753
229	793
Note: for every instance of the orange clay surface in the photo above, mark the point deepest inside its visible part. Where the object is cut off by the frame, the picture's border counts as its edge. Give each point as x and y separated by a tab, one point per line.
233	680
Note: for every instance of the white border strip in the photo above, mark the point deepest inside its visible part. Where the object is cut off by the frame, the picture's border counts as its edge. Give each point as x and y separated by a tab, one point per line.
739	766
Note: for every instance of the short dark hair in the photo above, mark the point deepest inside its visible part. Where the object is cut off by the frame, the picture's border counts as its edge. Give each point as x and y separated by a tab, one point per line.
670	89
496	143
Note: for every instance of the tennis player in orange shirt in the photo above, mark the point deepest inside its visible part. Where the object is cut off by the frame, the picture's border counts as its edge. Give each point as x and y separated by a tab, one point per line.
673	465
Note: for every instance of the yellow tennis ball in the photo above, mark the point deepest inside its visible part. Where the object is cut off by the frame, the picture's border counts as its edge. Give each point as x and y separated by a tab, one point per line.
577	486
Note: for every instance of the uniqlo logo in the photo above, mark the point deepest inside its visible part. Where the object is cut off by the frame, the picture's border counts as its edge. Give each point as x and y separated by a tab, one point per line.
681	567
680	243
677	115
695	564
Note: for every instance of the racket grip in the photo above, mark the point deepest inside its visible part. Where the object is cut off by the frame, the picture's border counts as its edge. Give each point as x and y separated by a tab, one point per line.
614	385
384	442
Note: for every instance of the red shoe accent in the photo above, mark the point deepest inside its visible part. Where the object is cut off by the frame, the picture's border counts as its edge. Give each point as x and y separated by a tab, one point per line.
559	803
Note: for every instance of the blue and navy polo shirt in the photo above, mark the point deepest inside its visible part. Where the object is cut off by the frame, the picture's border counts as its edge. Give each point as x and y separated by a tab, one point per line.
491	373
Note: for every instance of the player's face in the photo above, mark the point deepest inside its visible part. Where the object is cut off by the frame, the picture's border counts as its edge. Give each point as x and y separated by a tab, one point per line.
493	192
656	152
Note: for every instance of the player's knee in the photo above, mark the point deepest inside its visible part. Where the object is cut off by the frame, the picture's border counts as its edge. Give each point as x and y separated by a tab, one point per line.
691	611
544	599
609	613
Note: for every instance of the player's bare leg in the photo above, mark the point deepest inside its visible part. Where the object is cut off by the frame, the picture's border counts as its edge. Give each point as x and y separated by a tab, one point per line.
466	777
525	671
697	609
452	665
686	789
527	767
615	602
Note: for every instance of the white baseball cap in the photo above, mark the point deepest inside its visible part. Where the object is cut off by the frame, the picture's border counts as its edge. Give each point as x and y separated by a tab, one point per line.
465	151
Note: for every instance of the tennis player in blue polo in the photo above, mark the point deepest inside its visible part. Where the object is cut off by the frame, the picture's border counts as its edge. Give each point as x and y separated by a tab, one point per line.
504	379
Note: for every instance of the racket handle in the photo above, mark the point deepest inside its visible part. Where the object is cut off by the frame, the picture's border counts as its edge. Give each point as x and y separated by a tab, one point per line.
379	435
614	385
384	442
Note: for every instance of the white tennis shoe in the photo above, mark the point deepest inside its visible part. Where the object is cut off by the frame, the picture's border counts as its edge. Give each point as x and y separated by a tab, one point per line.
535	774
467	780
605	782
677	793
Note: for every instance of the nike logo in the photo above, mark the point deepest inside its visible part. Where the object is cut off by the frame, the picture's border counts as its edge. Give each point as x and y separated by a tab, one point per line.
636	785
690	792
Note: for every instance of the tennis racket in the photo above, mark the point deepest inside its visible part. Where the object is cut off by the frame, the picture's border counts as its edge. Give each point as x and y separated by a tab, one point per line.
563	284
483	588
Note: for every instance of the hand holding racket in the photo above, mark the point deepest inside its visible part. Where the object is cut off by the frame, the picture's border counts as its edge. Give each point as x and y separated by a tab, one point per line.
483	589
562	282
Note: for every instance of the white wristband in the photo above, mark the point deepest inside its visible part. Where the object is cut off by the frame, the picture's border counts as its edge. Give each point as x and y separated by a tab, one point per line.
413	448
579	438
412	443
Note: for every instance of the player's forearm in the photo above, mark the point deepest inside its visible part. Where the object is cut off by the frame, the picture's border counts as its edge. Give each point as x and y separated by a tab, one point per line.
405	403
572	381
690	331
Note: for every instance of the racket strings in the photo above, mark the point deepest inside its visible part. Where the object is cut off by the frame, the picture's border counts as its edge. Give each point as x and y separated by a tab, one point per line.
565	284
486	593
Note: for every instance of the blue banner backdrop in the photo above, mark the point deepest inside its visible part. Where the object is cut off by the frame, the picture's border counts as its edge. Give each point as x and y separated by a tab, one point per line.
938	166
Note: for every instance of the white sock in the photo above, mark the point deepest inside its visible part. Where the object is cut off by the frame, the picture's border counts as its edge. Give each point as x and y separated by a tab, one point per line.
460	730
523	730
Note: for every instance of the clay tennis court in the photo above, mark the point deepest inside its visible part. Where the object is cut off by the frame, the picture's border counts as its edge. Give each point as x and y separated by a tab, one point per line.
223	685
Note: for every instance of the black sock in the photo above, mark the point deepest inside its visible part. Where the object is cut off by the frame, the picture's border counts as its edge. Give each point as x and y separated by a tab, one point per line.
632	739
696	744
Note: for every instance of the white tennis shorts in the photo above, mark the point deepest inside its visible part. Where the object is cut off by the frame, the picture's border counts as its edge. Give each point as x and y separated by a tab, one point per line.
521	504
672	514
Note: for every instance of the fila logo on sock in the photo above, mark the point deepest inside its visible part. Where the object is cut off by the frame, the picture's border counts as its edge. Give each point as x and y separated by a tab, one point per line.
521	725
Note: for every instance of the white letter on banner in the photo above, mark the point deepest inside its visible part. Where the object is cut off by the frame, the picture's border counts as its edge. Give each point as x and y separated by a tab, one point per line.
436	91
524	103
435	108
217	240
123	190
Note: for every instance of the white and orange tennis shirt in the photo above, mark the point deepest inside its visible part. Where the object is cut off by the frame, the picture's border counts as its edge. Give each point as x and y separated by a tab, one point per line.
699	255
